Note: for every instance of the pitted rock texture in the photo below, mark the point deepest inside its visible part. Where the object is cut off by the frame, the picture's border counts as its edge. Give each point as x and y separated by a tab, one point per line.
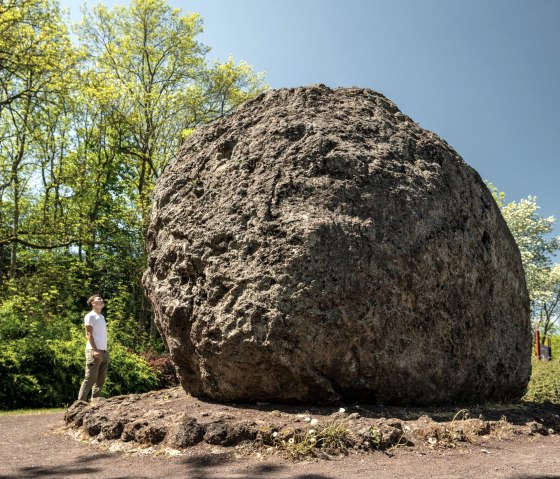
319	246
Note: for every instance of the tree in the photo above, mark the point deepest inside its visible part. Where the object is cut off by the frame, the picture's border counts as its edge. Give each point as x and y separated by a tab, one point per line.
531	232
146	66
547	301
152	65
36	58
35	50
24	48
85	131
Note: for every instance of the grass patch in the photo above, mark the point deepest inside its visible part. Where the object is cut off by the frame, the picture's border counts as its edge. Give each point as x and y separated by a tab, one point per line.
20	412
333	439
555	340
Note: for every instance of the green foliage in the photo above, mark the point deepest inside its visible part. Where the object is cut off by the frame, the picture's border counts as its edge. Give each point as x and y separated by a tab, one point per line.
375	438
334	437
531	232
129	373
85	131
35	51
42	338
39	372
146	59
544	386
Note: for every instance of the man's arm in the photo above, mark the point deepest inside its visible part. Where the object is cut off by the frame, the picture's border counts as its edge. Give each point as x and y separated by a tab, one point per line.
89	336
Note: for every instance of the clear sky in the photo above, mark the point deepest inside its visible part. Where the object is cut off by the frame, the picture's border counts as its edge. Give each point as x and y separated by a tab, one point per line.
482	74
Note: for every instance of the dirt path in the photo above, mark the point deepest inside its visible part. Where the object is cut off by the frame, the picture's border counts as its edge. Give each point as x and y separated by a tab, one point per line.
32	446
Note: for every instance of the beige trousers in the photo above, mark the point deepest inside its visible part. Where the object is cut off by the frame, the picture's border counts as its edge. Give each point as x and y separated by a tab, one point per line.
96	373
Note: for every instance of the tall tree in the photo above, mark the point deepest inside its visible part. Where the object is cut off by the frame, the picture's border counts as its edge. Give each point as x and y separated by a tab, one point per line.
147	61
36	57
162	86
532	234
86	130
547	301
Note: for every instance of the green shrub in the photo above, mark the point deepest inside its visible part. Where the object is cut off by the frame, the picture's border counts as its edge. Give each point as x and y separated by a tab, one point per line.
555	346
544	386
128	373
42	338
35	372
39	372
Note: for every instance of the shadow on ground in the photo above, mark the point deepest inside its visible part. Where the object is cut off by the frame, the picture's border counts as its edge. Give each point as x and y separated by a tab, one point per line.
84	465
517	413
204	466
525	476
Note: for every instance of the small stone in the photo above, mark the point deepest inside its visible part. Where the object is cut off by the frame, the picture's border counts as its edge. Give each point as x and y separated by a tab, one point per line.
187	433
538	428
112	430
131	429
216	433
76	409
93	424
151	434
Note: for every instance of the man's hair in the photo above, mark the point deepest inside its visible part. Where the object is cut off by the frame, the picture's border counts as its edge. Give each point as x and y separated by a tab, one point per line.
91	299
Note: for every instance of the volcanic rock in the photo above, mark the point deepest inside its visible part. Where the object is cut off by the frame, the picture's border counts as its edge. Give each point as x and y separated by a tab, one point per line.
318	246
187	433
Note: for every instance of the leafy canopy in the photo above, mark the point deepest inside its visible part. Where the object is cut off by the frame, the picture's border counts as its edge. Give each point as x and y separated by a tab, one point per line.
532	233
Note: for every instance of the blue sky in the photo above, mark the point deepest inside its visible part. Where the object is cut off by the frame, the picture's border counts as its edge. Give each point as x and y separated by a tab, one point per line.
482	74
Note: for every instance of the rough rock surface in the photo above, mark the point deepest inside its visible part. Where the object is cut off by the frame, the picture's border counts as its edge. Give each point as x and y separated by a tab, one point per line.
317	245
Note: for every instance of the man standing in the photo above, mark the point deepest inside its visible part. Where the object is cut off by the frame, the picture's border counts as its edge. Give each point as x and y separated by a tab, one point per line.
97	357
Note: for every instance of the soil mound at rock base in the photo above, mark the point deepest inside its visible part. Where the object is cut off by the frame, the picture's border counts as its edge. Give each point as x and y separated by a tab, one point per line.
174	422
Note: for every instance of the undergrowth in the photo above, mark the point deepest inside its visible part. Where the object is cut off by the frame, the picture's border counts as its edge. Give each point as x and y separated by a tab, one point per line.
544	386
333	439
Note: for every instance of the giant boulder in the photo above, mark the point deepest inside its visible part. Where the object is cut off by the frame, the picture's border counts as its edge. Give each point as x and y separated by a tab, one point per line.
317	246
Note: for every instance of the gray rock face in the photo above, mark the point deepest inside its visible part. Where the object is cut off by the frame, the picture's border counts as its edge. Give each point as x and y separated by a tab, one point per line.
317	245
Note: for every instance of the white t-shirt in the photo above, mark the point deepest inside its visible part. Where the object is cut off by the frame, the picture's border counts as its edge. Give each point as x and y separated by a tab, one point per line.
97	322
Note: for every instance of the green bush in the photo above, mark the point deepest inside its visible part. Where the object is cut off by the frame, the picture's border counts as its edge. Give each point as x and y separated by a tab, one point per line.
42	338
35	372
555	346
40	372
128	373
544	386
